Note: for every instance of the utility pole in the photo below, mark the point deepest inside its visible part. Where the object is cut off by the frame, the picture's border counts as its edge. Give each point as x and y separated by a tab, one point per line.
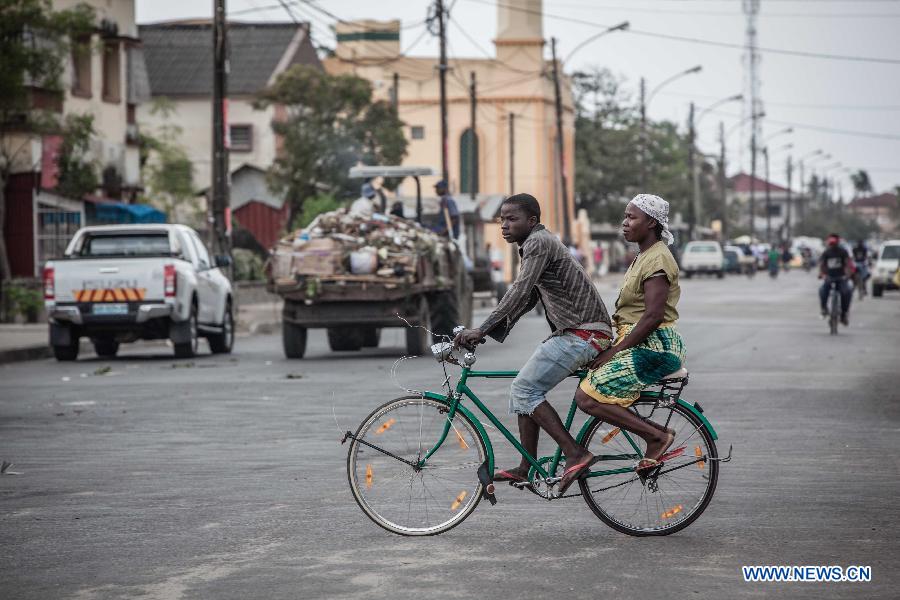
752	183
473	139
787	220
768	198
395	94
801	199
512	153
560	146
514	255
695	178
723	200
220	234
442	72
643	134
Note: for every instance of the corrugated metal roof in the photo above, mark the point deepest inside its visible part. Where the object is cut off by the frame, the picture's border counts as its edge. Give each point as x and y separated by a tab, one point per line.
180	62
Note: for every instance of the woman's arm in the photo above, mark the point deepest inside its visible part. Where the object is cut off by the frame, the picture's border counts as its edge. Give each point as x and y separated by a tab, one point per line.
656	291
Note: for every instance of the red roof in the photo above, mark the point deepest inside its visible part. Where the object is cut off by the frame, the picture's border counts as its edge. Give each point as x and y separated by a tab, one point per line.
885	200
741	183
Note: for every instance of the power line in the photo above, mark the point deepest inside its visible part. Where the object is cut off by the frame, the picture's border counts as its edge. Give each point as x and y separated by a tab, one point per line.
704	13
868	134
873	107
692	40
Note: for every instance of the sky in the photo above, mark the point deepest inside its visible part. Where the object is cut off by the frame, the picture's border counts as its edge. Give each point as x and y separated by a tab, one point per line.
849	109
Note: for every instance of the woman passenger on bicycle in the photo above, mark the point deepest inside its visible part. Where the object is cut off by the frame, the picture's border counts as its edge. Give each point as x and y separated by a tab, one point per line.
647	346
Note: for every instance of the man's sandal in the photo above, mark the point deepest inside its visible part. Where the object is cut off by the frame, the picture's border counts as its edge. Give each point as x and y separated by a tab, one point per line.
509	476
576	472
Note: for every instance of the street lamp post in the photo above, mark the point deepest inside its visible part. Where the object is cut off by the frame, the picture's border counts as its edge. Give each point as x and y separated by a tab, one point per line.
753	178
768	192
645	101
695	172
801	200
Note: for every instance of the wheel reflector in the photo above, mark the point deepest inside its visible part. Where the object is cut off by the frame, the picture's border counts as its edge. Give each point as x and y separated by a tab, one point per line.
385	426
610	435
671	513
698	453
462	443
458	502
368	477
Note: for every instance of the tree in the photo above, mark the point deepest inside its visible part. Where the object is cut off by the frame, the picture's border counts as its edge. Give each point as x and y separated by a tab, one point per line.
861	183
33	47
332	124
608	152
77	173
819	222
168	172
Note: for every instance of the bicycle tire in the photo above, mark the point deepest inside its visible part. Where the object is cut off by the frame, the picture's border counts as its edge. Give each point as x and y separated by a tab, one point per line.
362	484
690	515
834	313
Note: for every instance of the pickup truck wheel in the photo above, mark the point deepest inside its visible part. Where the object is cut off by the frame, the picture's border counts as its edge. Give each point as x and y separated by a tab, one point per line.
345	339
105	348
65	353
222	343
688	274
877	290
720	274
189	349
418	340
293	338
371	337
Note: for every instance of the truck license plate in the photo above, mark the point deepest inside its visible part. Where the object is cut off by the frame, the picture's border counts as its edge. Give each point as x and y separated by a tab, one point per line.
110	309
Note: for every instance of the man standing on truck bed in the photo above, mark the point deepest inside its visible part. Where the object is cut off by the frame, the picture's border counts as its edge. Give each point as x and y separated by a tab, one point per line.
578	319
448	219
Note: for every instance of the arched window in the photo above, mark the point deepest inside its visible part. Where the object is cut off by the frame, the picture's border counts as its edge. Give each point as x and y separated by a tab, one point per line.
468	158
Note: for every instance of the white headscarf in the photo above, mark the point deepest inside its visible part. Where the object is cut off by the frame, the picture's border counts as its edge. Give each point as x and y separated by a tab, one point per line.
655	208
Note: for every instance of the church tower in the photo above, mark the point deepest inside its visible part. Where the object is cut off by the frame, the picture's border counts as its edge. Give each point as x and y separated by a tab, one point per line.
520	34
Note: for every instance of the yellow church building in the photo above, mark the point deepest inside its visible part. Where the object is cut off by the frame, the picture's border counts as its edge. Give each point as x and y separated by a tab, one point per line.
515	122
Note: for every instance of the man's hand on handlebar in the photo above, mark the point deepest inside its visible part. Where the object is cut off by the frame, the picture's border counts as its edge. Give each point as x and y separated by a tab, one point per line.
468	339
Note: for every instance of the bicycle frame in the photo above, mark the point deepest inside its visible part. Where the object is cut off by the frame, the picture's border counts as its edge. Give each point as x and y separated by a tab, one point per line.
453	402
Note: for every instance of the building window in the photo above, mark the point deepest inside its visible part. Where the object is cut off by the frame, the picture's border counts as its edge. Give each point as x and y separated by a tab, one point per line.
241	137
774	210
468	158
112	80
81	68
55	227
418	132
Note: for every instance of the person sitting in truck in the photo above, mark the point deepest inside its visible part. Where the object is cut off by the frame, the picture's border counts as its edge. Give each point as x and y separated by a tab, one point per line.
580	325
364	206
448	219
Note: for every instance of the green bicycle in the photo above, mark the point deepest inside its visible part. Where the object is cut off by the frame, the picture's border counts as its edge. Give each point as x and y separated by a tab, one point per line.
420	464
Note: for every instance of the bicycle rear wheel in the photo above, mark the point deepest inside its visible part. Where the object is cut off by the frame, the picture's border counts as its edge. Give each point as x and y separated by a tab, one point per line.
662	504
835	312
400	497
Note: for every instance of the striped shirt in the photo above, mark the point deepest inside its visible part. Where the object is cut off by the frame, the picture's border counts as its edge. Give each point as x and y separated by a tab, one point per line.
551	274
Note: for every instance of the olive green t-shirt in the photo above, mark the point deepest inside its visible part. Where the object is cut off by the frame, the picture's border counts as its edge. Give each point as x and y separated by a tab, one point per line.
630	305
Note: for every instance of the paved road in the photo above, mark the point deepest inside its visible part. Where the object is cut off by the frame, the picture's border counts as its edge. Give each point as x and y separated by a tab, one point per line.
223	477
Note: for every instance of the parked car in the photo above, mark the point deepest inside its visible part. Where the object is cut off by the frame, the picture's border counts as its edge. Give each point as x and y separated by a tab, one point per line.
703	257
886	265
734	259
121	283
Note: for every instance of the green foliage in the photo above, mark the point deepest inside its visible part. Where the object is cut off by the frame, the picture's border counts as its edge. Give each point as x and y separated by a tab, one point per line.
313	207
608	152
862	184
33	44
77	174
819	222
332	124
168	172
23	300
248	266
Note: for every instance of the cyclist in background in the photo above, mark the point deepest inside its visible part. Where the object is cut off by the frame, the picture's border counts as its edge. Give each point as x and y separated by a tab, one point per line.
861	260
835	266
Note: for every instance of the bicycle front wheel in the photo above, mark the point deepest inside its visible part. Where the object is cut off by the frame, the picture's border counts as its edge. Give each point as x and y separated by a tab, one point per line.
661	504
400	496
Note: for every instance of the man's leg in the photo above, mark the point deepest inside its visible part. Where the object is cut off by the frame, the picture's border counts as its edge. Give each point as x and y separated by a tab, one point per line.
552	362
823	297
846	298
656	437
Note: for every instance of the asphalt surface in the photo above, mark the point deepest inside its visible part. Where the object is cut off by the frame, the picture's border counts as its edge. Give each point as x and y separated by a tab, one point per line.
223	477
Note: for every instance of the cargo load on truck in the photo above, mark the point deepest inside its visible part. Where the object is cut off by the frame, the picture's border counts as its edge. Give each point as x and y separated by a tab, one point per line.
354	274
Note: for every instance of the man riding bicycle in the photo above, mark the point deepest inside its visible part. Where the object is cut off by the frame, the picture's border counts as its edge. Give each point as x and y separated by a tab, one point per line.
861	261
579	321
835	267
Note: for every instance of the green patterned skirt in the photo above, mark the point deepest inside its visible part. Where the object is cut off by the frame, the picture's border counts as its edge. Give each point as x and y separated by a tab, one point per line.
621	380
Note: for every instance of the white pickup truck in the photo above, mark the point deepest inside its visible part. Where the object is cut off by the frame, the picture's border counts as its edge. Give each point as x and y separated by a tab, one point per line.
121	283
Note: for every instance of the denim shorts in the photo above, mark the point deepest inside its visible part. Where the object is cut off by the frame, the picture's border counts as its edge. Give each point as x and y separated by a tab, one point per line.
553	361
